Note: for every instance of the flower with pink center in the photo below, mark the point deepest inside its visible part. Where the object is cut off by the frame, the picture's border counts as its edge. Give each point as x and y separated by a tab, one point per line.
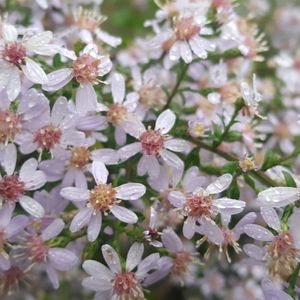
39	251
13	186
185	38
102	199
281	245
185	262
86	25
9	228
85	70
54	130
120	114
199	204
223	237
154	144
115	282
15	61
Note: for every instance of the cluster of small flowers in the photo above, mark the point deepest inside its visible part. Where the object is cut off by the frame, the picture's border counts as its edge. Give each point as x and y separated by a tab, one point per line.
163	146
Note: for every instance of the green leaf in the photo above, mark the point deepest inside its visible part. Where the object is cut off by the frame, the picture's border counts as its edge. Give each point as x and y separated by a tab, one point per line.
270	160
57	61
250	181
217	131
289	179
234	191
193	158
230	167
232	136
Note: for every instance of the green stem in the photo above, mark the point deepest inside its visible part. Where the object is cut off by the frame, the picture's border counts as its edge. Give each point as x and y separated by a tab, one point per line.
292	281
259	175
175	89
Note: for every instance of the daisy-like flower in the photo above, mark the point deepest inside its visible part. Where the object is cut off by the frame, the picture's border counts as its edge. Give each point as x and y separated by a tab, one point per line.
86	69
121	113
13	186
116	283
186	37
54	130
281	246
223	237
155	144
15	61
199	204
86	23
184	261
9	227
39	251
102	199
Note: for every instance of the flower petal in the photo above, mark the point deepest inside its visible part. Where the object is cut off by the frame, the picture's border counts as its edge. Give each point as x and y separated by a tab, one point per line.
111	257
124	214
165	121
32	207
130	191
34	72
220	184
99	171
134	256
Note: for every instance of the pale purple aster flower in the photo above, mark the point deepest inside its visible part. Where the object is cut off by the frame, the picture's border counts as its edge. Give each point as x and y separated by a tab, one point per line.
199	204
54	130
39	251
281	245
13	186
184	260
15	60
121	113
102	199
223	236
115	283
71	165
86	23
155	144
273	291
185	38
9	227
86	69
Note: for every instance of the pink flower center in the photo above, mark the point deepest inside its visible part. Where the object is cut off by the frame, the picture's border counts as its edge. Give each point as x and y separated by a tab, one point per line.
12	276
80	157
283	256
47	137
117	113
198	206
221	3
103	197
186	28
152	96
10	125
11	188
127	286
181	262
152	142
86	69
14	53
37	249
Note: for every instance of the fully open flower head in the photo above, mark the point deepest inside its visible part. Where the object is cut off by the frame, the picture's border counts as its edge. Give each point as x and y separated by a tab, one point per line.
39	250
15	61
13	186
154	144
116	283
184	260
223	236
54	130
281	245
200	204
9	227
102	199
120	114
186	37
86	70
86	24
